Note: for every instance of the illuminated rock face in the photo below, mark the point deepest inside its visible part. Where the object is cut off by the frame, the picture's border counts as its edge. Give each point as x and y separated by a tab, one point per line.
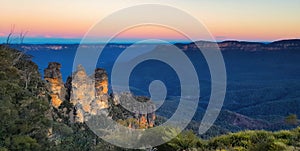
89	96
89	93
53	76
55	100
101	81
101	90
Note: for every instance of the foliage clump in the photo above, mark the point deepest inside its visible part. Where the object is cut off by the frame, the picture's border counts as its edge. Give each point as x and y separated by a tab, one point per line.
24	105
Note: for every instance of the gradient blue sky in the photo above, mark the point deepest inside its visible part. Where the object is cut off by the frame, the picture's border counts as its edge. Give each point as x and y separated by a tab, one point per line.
255	20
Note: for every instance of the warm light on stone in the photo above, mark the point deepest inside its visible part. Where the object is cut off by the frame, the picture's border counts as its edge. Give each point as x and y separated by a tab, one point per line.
55	101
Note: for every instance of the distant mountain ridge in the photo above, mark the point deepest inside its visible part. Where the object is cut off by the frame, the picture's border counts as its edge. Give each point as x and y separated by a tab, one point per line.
288	44
291	44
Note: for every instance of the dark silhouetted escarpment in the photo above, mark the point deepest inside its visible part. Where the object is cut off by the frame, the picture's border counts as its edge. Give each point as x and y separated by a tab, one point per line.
293	44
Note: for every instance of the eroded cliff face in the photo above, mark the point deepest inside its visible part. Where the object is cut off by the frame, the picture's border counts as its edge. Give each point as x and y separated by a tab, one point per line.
139	111
243	46
101	90
53	76
89	96
89	93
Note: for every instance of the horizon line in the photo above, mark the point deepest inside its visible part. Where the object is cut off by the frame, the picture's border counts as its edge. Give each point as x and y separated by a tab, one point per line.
59	40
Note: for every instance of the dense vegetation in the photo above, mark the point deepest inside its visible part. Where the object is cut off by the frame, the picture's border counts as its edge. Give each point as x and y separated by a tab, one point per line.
240	141
28	121
24	107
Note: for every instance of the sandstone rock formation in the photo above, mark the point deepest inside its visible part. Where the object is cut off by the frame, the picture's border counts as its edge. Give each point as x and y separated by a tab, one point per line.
53	76
89	93
141	108
101	90
89	96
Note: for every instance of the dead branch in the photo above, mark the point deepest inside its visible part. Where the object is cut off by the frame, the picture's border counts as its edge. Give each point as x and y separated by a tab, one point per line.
22	36
12	30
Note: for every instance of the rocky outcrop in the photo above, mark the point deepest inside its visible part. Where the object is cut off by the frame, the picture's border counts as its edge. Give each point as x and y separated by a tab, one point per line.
89	96
243	46
101	89
293	44
53	76
139	110
82	94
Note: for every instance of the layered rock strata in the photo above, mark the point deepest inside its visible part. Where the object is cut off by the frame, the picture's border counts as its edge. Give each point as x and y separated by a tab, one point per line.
53	77
89	96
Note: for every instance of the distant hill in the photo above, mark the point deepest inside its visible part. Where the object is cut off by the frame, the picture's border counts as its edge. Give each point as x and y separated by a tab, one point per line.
291	44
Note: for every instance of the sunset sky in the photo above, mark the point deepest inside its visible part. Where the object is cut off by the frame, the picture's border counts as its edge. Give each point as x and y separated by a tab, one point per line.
255	20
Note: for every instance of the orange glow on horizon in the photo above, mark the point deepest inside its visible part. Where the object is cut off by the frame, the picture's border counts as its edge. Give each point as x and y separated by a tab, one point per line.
241	20
151	32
